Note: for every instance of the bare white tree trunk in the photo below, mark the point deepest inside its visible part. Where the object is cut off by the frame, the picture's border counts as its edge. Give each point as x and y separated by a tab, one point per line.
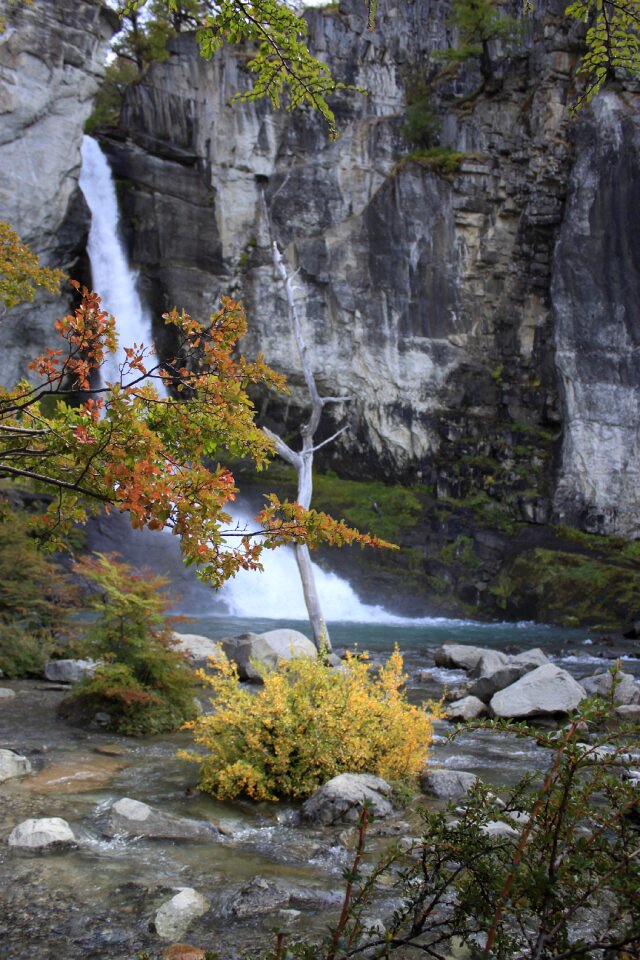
302	460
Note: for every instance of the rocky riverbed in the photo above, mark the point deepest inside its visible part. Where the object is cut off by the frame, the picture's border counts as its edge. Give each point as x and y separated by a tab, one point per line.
147	847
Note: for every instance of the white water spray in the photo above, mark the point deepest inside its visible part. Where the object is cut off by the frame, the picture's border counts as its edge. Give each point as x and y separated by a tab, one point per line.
112	278
276	592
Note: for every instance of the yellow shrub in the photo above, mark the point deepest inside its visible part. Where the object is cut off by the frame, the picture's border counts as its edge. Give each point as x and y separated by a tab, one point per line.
307	724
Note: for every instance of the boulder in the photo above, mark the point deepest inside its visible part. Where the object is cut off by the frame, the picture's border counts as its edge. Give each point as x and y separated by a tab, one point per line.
43	834
493	672
499	830
446	784
459	655
6	694
197	648
599	684
13	765
257	897
469	708
69	671
342	799
250	651
628	711
133	818
530	659
174	916
546	690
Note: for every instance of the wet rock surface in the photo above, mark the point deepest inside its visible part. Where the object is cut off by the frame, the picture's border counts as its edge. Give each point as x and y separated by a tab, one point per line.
133	818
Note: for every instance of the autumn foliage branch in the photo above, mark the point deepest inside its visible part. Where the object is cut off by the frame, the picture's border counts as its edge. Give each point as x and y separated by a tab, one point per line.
146	451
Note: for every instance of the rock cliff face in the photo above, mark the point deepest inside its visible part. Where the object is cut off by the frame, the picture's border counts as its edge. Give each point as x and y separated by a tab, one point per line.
52	59
483	320
483	315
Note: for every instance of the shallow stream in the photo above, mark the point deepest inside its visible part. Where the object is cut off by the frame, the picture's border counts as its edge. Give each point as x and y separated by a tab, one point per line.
99	899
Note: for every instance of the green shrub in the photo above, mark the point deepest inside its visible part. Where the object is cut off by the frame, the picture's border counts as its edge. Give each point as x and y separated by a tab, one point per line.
421	128
36	597
308	723
143	683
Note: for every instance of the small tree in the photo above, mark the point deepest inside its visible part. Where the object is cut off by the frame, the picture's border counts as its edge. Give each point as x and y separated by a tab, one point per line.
479	23
302	460
141	682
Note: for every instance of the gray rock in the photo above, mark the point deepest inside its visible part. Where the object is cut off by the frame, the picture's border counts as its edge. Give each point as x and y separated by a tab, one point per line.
493	672
250	650
7	694
499	829
69	671
447	784
627	690
342	799
13	765
628	711
530	658
469	708
174	917
459	655
197	647
43	834
136	819
257	897
546	690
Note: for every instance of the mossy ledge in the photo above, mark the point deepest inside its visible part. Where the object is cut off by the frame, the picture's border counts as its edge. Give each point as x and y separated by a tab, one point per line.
471	557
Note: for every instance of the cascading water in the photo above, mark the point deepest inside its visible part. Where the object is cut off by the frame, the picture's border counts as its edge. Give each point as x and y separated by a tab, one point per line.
111	275
276	592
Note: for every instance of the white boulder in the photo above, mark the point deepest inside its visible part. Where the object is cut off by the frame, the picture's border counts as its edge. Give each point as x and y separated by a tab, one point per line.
627	690
546	690
69	671
42	834
251	651
13	765
133	818
468	708
174	917
446	784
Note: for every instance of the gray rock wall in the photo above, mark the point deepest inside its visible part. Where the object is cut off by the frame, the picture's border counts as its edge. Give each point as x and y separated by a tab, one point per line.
52	57
484	320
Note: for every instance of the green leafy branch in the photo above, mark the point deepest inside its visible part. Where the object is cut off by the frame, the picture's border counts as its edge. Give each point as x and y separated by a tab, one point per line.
613	41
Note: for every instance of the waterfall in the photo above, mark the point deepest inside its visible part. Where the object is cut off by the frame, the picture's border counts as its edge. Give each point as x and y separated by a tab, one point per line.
275	593
112	278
